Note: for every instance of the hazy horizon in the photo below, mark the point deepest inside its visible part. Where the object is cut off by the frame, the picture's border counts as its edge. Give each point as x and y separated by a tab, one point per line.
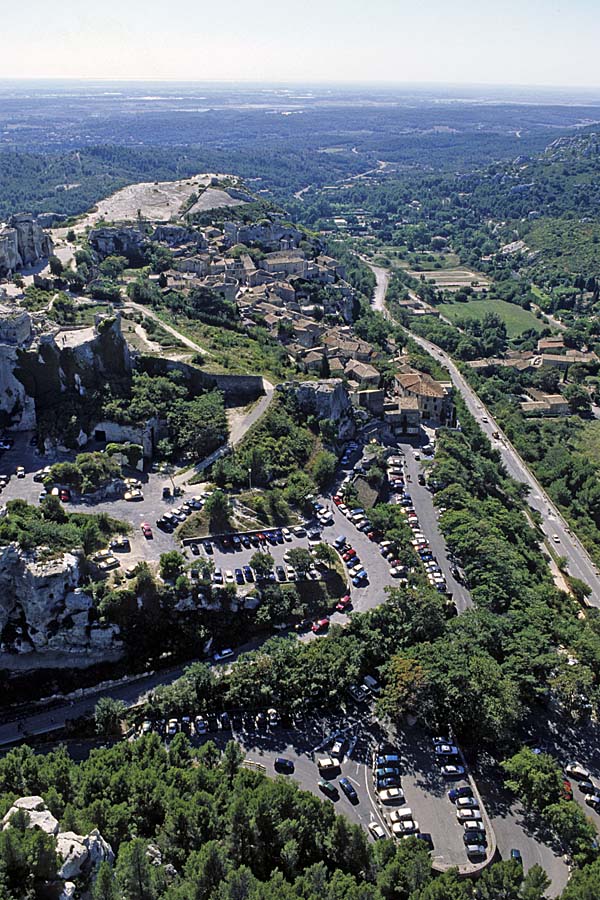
534	44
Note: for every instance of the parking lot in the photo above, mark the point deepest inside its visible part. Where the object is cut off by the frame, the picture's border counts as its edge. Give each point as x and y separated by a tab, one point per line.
306	742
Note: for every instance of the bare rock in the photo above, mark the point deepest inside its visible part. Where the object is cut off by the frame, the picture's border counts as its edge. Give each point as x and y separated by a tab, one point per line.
39	815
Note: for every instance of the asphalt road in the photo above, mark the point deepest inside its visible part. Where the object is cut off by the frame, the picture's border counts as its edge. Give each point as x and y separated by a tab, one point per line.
566	543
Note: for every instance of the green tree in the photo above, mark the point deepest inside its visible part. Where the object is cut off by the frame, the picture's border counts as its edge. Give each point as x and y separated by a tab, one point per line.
105	887
534	777
172	564
323	467
218	509
133	872
300	559
262	563
108	713
404	683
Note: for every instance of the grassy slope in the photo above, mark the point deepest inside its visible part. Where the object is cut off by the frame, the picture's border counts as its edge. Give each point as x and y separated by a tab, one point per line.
517	319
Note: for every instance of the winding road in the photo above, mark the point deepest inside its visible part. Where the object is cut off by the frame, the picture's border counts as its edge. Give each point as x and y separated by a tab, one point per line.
557	532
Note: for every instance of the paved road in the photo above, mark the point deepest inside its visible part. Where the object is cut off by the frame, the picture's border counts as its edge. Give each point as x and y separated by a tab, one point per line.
566	543
429	522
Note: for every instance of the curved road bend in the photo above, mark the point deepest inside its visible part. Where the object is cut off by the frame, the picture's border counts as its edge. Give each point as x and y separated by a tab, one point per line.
555	528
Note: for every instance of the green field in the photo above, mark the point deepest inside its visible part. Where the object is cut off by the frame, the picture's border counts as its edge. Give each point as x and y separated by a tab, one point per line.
517	320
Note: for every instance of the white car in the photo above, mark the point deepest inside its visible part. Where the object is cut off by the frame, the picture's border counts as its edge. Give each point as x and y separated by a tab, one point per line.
377	831
133	495
290	573
229	579
467	803
577	771
392	795
468	815
452	771
172	727
338	750
401	815
473	825
287	535
475	850
404	828
326	762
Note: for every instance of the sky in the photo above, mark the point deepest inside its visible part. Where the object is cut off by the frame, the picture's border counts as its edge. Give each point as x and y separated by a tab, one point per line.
517	42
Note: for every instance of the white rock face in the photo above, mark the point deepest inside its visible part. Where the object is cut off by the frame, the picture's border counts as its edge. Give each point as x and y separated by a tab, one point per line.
23	243
81	854
43	600
39	815
326	399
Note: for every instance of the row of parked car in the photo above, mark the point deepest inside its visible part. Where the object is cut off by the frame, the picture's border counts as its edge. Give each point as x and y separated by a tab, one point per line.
170	520
402	497
586	784
198	726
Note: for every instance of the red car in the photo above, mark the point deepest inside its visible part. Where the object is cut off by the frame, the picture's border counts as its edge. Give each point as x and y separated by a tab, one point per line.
343	604
320	625
146	530
261	538
349	554
65	495
337	500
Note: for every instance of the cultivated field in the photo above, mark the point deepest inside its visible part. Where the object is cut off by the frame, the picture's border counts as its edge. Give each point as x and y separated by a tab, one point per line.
454	279
517	320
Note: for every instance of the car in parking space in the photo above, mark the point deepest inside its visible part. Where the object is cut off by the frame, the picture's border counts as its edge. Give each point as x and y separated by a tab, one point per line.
343	603
172	727
401	815
468	815
445	750
473	824
208	547
284	765
220	655
391	795
229	578
467	803
290	573
303	626
133	495
299	531
146	530
471	837
64	494
328	789
452	771
217	576
43	473
287	535
405	827
389	781
20	473
327	763
239	576
246	541
248	573
42	495
593	800
320	625
577	771
358	692
120	543
475	850
195	548
587	786
386	759
280	572
377	831
200	725
273	717
337	749
386	771
349	790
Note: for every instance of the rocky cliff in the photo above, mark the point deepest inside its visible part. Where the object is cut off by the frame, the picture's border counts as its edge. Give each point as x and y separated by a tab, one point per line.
326	399
119	240
43	609
81	854
41	369
23	242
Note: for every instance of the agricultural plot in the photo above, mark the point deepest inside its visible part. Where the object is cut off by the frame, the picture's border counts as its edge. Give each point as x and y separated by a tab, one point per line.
516	319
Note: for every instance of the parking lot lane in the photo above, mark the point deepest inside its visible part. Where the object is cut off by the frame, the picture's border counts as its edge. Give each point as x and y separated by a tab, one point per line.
513	831
429	522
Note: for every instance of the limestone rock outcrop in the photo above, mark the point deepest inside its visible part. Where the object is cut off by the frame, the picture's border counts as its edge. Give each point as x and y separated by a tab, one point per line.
39	364
23	242
81	854
119	240
43	609
326	399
